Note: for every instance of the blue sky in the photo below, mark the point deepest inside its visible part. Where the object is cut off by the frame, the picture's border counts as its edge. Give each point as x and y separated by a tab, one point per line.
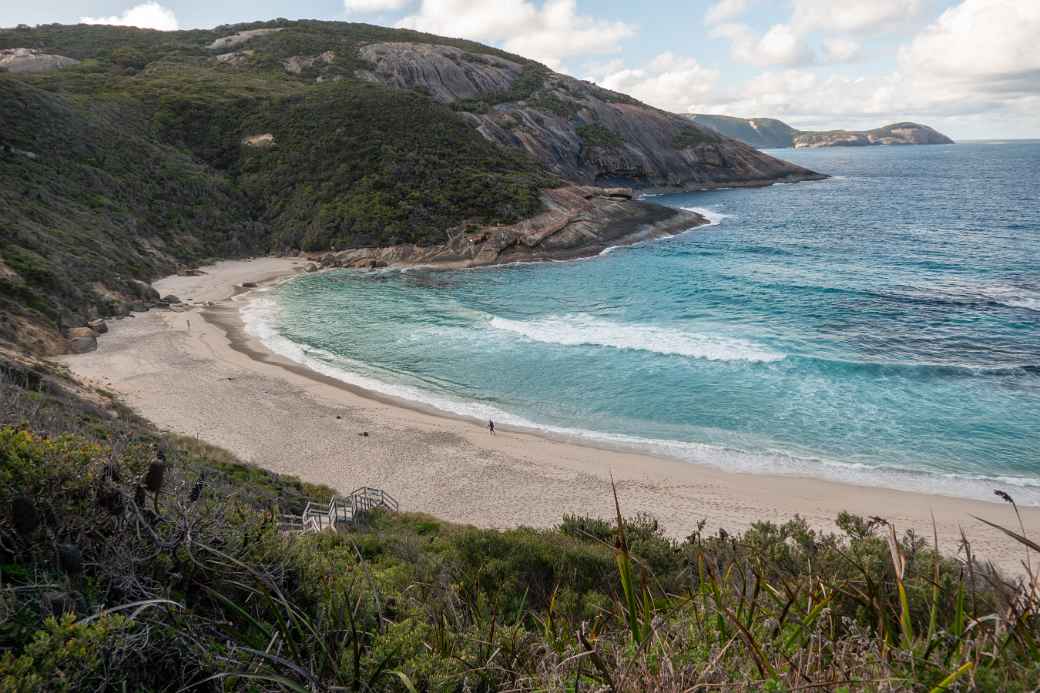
970	68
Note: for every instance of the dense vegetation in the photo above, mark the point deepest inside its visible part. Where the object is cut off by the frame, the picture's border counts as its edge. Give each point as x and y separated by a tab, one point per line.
124	570
132	163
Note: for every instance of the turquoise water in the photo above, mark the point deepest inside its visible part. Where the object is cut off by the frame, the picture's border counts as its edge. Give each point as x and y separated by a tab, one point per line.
880	327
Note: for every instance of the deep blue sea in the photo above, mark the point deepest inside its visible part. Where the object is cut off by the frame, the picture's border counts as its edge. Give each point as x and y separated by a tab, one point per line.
881	327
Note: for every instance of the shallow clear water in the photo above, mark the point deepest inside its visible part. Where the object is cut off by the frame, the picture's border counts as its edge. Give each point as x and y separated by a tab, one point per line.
881	327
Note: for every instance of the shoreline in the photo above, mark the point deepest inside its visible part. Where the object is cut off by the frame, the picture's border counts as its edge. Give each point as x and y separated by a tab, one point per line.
197	371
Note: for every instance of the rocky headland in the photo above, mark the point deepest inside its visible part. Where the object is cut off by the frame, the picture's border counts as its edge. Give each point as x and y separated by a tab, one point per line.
578	221
578	130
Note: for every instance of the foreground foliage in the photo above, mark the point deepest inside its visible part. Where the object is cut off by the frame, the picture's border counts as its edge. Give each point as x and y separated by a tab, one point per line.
134	561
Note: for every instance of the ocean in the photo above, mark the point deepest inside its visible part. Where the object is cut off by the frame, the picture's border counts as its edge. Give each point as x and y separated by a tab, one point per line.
881	327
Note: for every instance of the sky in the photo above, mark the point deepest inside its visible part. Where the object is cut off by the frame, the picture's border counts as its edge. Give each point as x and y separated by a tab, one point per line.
969	68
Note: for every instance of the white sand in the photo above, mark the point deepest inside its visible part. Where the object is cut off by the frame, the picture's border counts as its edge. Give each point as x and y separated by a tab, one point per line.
214	381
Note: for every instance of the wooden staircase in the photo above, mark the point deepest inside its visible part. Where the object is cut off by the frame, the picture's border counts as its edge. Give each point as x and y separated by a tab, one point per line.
339	511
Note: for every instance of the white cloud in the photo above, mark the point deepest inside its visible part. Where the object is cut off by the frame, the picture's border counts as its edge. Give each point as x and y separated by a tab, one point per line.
670	82
549	33
974	70
372	6
852	15
149	15
840	50
985	45
724	10
780	45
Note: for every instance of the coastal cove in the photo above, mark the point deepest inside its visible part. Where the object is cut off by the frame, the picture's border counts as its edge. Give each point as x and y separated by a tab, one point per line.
805	332
453	346
198	373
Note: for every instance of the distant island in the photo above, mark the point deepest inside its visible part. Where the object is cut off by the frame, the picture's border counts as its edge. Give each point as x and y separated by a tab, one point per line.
769	133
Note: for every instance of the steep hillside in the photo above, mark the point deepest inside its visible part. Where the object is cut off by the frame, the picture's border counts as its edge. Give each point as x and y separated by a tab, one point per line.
770	133
576	129
764	133
126	154
89	205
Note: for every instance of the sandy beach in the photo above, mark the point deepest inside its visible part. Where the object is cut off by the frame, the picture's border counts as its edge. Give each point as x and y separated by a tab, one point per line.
196	372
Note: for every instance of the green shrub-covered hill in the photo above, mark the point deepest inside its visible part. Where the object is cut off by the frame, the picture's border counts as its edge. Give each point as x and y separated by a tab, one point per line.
131	163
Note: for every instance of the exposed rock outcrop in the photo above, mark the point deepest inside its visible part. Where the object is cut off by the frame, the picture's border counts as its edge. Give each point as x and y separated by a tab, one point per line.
580	131
238	38
32	60
770	133
236	58
298	63
80	340
578	221
262	140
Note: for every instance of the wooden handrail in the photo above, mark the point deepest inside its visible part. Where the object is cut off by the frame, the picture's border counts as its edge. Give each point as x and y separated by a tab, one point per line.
319	514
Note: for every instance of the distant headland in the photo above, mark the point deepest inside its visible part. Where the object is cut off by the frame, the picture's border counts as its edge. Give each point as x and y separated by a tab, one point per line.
770	133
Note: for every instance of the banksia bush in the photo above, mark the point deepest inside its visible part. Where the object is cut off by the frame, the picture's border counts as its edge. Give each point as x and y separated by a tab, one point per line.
153	480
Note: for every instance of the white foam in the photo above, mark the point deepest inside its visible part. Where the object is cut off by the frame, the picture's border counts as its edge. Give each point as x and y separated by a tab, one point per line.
714	218
585	330
1012	296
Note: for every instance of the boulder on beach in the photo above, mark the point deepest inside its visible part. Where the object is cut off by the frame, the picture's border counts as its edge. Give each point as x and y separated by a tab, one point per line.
143	290
75	332
99	326
82	343
170	298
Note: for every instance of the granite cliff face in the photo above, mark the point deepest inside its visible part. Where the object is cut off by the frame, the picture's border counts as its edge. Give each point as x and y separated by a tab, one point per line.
577	130
578	221
768	133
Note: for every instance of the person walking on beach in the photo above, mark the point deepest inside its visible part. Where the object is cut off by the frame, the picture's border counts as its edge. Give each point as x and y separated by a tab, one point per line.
491	426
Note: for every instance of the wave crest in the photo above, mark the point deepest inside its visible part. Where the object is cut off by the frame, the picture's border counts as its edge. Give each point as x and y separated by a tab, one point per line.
584	330
714	218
